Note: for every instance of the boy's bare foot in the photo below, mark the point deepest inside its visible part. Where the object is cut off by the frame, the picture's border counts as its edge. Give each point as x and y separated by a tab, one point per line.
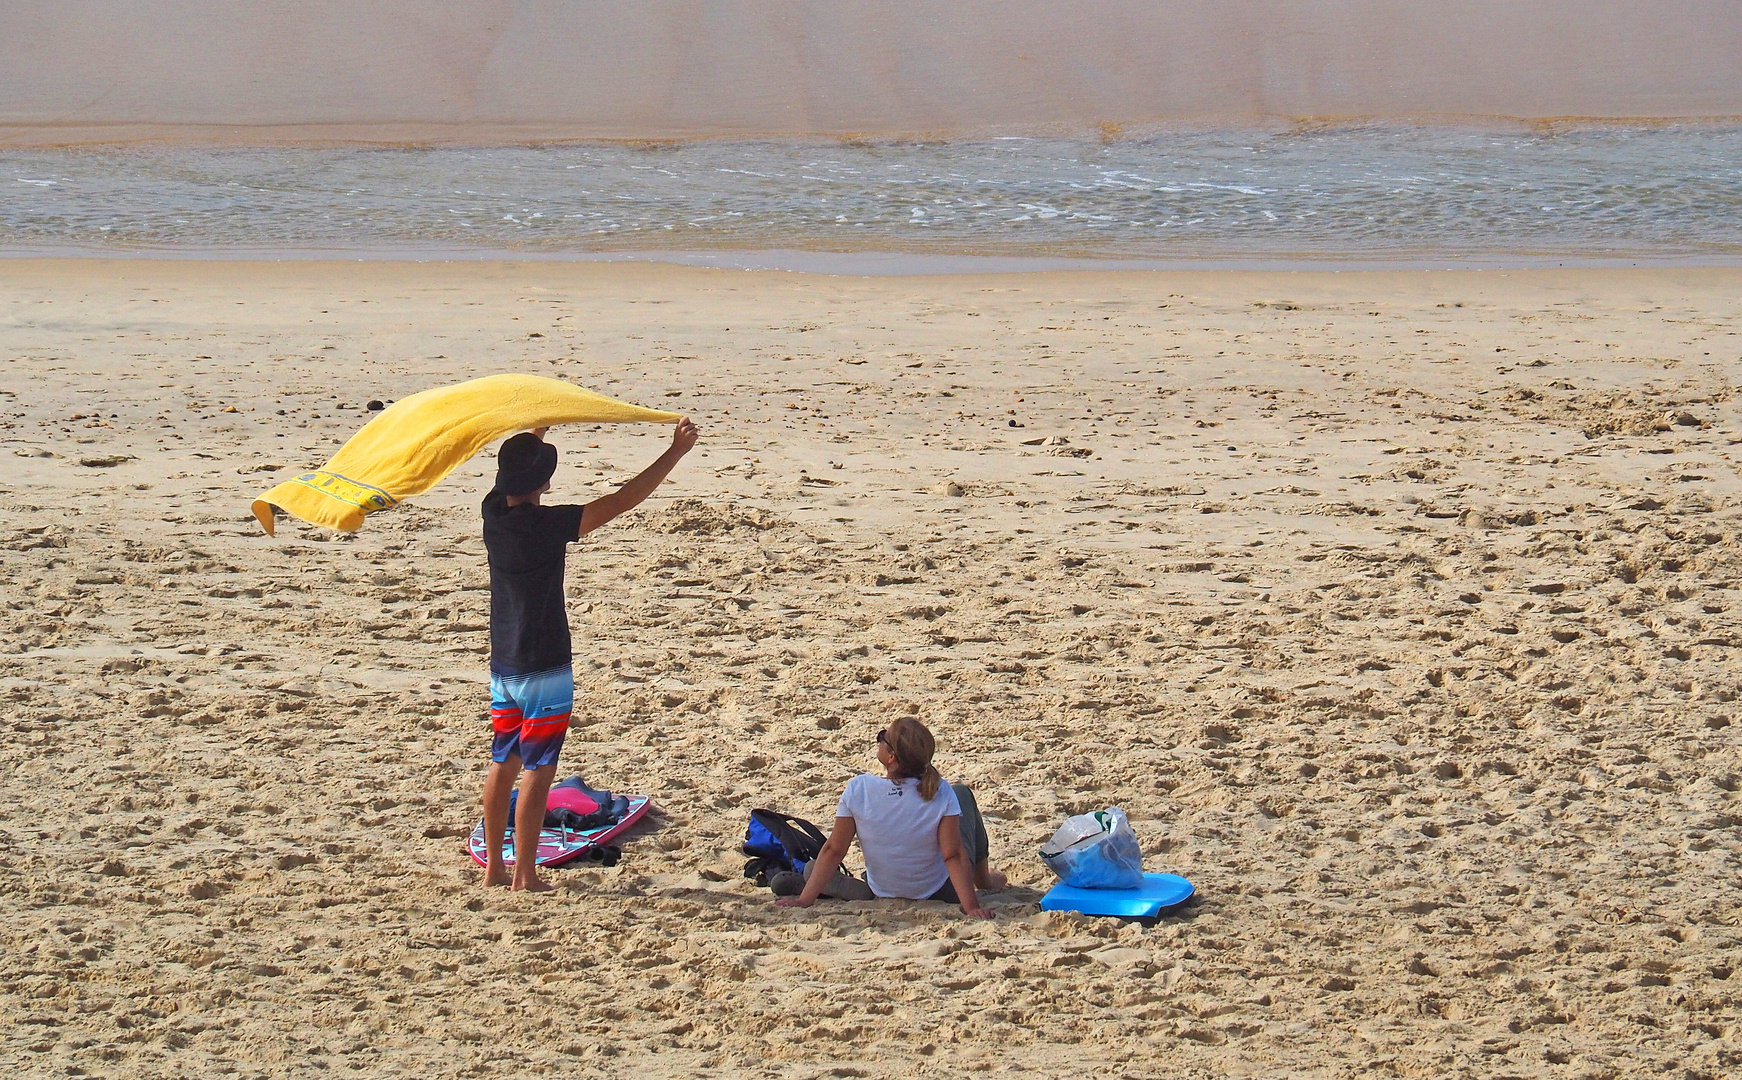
533	885
497	875
992	881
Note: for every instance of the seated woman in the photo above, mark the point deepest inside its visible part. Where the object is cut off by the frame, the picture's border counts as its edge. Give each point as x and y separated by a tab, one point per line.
922	838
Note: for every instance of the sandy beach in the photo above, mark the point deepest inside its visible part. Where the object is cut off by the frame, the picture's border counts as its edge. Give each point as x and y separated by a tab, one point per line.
1399	610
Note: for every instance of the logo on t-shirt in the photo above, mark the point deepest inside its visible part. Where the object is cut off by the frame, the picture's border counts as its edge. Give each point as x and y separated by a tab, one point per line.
897	789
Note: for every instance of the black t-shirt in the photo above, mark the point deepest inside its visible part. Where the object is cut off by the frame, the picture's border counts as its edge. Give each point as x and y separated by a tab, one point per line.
529	624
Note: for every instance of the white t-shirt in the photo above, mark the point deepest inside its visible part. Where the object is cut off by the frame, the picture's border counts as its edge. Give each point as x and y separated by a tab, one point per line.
898	833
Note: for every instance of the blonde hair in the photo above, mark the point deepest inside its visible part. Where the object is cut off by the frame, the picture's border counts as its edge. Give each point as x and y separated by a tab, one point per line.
912	747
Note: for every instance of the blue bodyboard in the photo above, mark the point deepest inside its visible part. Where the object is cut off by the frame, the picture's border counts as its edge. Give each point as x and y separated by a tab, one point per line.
1158	893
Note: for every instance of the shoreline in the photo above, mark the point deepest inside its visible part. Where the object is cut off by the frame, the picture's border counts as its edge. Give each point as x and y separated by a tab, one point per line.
406	135
902	263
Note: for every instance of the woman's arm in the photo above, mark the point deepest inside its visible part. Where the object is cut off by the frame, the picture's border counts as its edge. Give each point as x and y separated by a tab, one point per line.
961	871
828	861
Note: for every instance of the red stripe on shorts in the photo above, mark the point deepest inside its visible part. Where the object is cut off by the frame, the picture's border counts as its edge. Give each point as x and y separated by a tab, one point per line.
544	726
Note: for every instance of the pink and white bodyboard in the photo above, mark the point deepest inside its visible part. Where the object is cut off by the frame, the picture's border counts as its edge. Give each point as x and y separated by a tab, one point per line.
558	846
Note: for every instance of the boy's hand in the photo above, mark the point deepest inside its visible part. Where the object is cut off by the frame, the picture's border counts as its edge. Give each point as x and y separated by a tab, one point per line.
539	431
683	439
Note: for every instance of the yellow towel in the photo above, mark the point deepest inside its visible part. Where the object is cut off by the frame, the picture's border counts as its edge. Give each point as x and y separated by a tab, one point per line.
407	449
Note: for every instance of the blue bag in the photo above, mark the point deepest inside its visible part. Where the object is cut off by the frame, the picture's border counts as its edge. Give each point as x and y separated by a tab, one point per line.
777	842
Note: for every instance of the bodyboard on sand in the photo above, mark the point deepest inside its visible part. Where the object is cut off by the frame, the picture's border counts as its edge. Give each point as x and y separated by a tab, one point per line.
407	449
558	846
1157	893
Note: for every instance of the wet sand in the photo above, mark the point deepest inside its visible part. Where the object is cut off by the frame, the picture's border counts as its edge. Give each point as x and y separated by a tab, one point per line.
93	71
1398	610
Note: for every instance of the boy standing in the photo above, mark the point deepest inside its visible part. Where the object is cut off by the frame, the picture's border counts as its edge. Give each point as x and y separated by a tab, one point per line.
532	683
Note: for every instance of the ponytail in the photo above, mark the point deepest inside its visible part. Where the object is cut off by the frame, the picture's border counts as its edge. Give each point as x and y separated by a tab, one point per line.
928	782
913	747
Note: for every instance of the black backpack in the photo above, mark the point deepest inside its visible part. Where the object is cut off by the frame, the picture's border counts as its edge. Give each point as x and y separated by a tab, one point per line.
777	842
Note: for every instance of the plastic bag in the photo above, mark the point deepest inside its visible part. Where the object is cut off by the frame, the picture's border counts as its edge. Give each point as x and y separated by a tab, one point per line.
1096	851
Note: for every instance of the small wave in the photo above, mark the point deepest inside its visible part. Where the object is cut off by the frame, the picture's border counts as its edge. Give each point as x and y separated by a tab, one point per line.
1337	192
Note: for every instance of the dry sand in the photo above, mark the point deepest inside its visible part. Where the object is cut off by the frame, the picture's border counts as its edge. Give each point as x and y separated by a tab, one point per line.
496	70
1399	610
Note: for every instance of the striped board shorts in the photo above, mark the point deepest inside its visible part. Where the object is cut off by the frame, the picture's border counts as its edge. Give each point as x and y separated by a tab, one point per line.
530	715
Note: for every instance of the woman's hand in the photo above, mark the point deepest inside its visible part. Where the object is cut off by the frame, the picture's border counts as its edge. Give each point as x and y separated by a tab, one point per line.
794	901
956	861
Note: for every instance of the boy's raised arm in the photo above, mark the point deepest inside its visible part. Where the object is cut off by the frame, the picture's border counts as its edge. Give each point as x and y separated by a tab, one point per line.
632	494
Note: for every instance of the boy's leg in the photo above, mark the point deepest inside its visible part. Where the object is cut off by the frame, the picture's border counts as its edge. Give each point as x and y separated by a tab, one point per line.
498	786
528	823
547	699
505	722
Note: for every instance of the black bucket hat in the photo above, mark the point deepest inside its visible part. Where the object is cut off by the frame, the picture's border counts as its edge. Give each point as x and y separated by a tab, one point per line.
524	464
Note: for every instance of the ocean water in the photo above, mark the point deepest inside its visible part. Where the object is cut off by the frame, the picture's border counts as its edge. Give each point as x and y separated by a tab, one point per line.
1378	194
